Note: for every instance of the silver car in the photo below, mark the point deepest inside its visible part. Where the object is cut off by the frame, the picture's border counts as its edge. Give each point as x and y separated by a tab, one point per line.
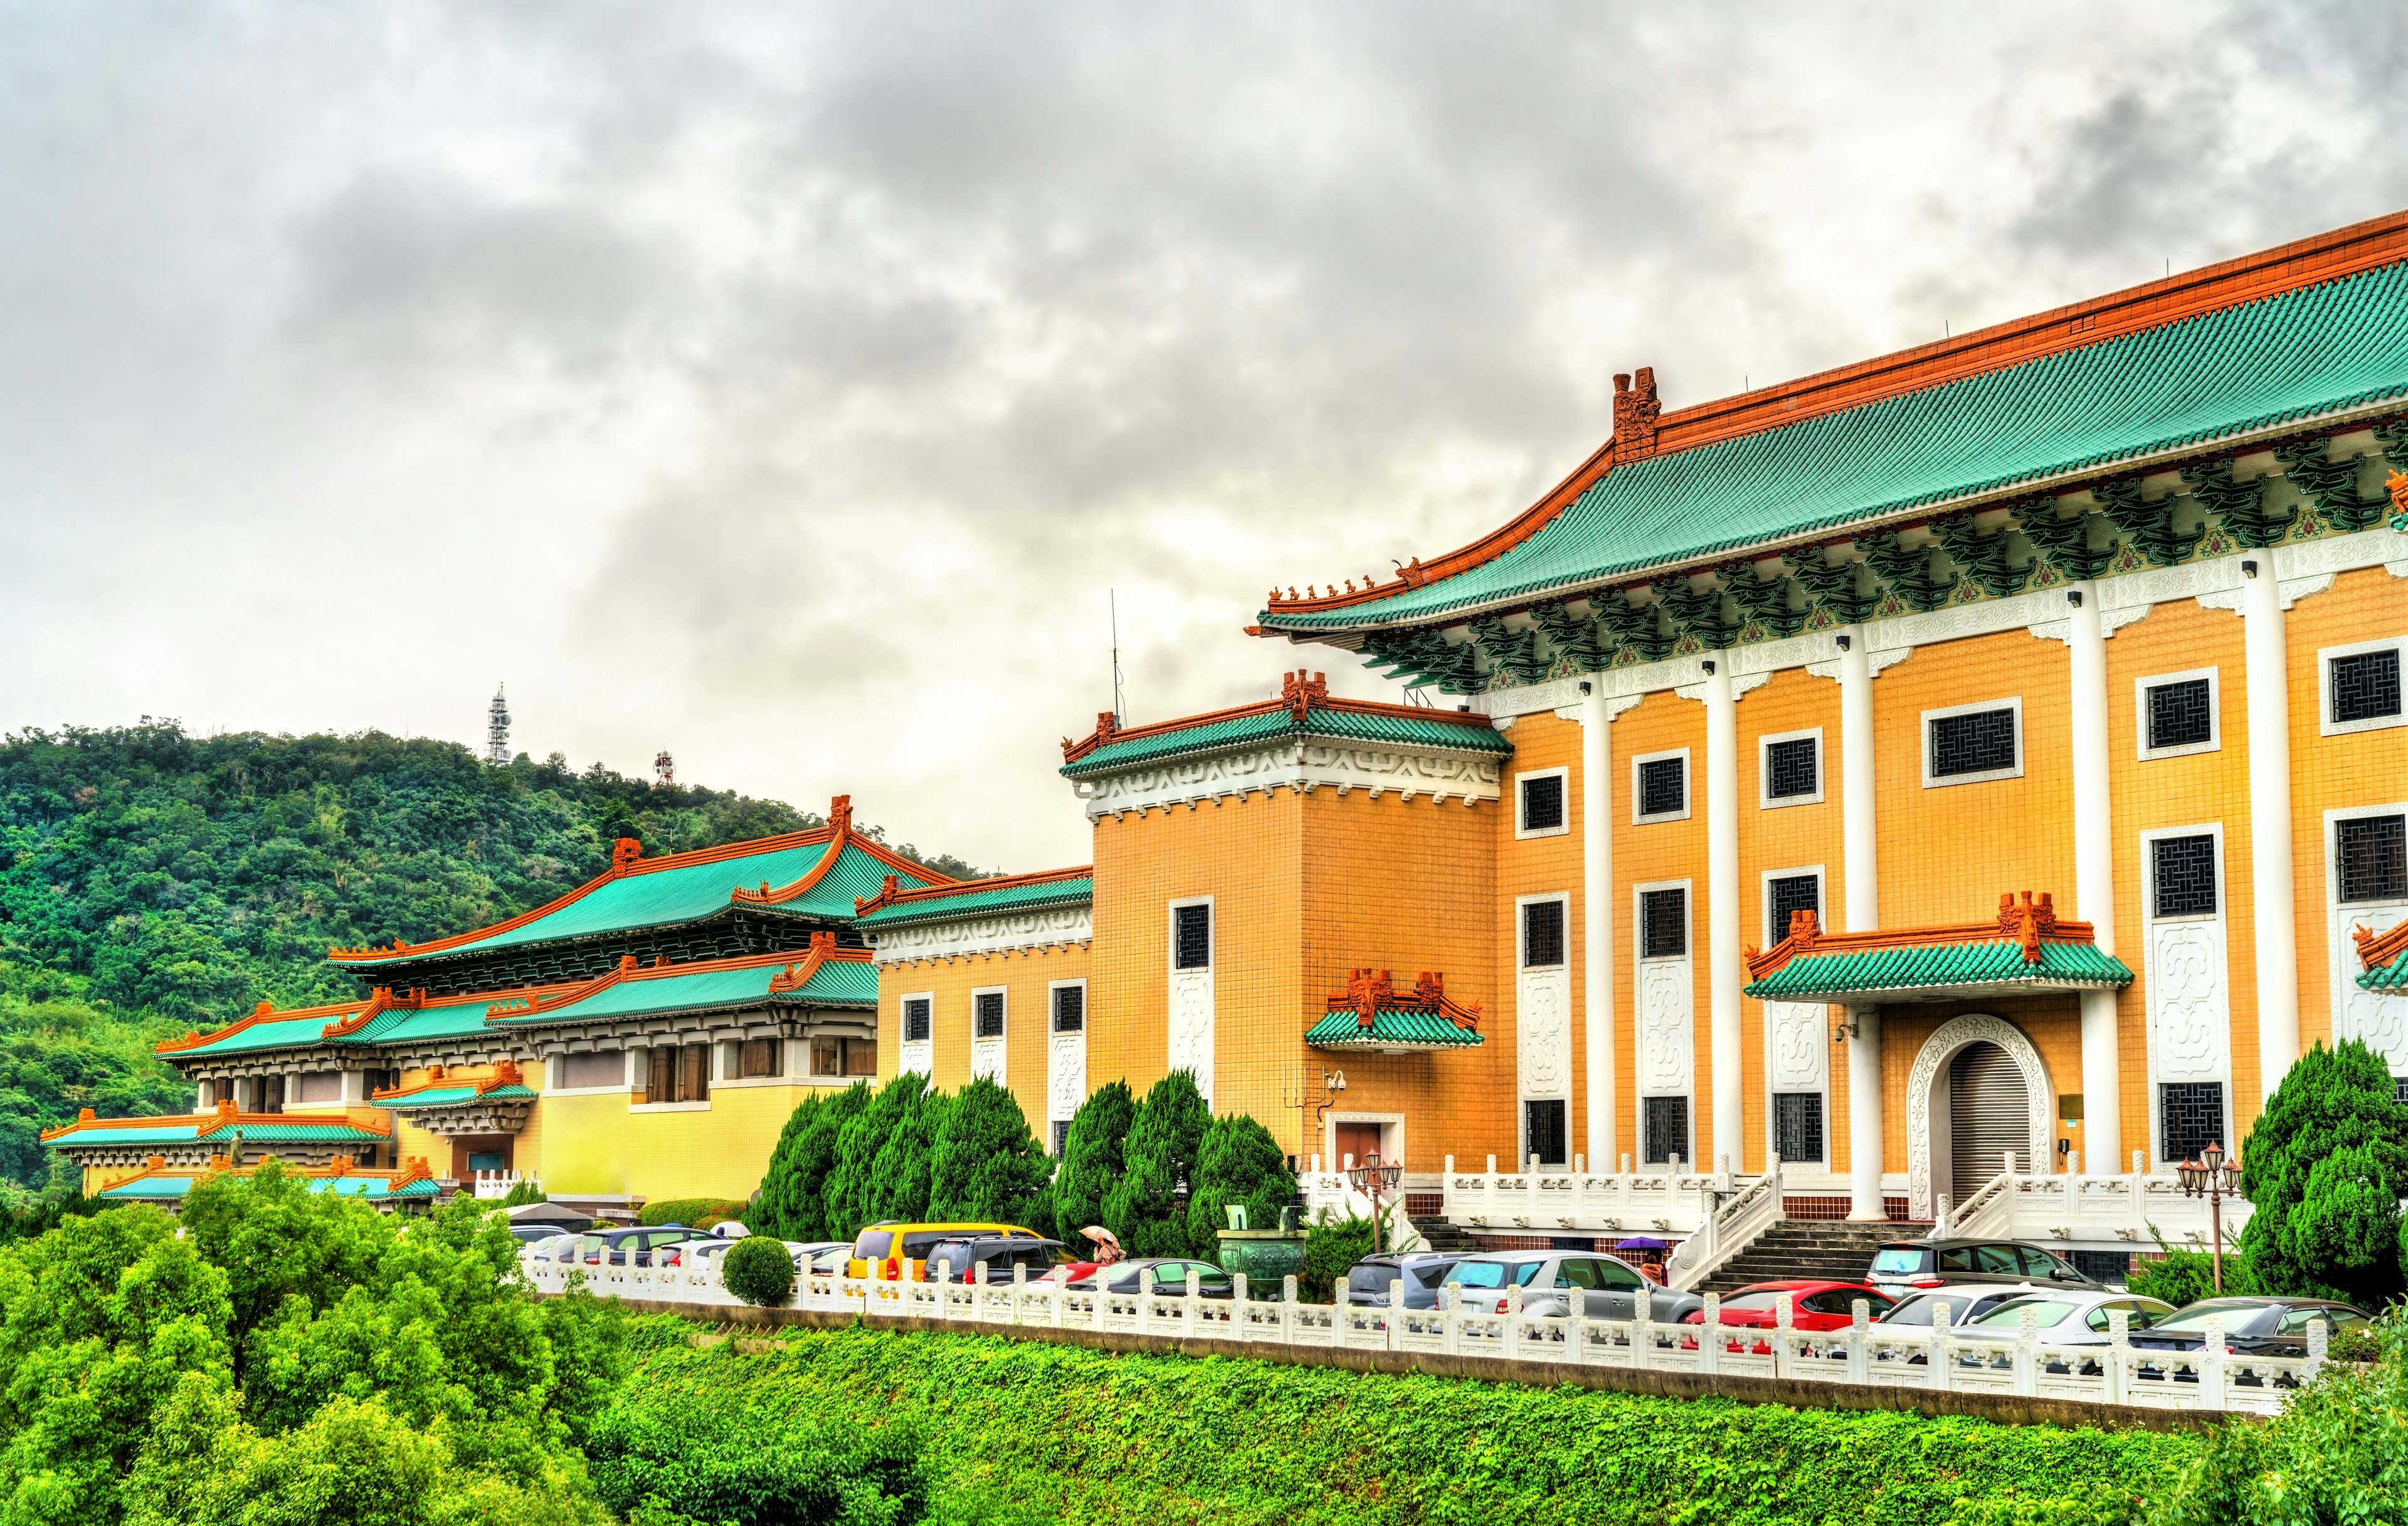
2070	1317
1967	1301
1607	1286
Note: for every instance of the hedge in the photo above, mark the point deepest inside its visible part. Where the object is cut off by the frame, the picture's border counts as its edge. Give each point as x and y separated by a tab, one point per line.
1064	1432
697	1213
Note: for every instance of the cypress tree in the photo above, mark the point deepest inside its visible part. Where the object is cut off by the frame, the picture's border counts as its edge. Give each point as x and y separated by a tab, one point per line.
900	1171
1092	1159
987	1166
791	1204
2325	1169
1238	1162
851	1197
1142	1208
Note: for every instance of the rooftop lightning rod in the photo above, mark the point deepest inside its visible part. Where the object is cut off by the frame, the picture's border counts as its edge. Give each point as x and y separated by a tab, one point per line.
1120	712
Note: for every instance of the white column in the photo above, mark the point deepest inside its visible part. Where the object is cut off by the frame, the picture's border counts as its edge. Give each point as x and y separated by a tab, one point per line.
1865	1116
1597	919
1724	973
2270	826
2094	873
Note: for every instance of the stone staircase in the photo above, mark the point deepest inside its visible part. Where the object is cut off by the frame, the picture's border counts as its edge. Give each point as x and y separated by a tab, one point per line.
1441	1233
1809	1247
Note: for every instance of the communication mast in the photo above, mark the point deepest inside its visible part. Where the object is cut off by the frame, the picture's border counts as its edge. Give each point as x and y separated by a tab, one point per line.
497	730
665	770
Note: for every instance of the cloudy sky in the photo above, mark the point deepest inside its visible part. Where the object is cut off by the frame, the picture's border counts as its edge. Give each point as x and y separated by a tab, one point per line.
790	387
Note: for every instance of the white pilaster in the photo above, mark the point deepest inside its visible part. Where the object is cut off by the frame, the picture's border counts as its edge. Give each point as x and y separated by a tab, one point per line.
1596	918
1865	1116
2270	825
2094	869
1724	976
1860	865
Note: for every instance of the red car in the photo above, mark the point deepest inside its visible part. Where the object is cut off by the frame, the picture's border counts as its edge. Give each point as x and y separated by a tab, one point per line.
1814	1305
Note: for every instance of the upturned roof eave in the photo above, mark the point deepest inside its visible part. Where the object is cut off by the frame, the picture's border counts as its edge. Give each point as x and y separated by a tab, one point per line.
2039	985
1082	770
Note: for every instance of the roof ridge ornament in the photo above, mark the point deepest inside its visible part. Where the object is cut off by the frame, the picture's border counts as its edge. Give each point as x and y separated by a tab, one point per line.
624	852
1636	408
1297	691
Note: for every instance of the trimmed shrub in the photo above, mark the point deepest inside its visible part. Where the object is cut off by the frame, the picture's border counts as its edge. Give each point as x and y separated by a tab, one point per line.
2187	1275
1143	1207
688	1457
759	1271
1238	1162
697	1213
1331	1249
2325	1169
791	1204
1092	1159
988	1168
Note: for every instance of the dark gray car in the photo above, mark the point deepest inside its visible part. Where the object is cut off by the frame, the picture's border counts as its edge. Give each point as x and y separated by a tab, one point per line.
1903	1266
1420	1271
1607	1288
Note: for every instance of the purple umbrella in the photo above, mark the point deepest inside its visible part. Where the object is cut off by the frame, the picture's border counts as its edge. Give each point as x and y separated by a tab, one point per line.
1645	1241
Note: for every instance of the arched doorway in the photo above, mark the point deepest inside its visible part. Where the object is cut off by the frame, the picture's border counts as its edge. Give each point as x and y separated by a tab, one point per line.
2002	1079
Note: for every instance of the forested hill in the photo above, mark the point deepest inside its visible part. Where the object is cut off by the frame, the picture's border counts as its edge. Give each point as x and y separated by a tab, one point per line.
152	881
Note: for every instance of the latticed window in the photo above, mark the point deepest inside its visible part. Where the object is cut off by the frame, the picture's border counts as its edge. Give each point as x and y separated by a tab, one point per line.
2185	871
1664	1129
1789	894
2181	714
759	1057
2373	854
2192	1114
2366	685
1542	934
1061	1135
915	1020
1542	804
1663	786
988	1019
1663	924
1191	937
1069	1008
1790	769
1798	1125
1544	1132
1981	743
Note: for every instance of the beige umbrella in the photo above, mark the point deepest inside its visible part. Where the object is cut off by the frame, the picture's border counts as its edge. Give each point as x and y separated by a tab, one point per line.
1108	1244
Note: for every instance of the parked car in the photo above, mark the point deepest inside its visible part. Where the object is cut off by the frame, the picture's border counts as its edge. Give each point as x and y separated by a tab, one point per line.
820	1257
1607	1286
958	1261
534	1234
633	1247
902	1249
1902	1264
1170	1278
2257	1327
1814	1305
560	1249
1966	1302
1420	1270
2065	1318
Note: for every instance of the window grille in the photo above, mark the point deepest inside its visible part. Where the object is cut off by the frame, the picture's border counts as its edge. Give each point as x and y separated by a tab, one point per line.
2185	871
1981	743
1542	934
990	1015
1192	936
2400	1090
1665	1125
1663	786
2179	714
1061	1136
1543	1132
1798	1126
1542	804
1664	924
2110	1266
2373	854
1791	769
760	1057
1788	894
2366	685
2192	1118
1069	1008
915	1020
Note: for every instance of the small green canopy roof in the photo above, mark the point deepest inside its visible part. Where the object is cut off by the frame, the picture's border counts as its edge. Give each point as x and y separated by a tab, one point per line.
977	898
1942	971
1391	1031
431	1098
1305	709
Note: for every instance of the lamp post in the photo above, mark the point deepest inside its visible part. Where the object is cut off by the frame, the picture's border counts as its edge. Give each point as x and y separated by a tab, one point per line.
1372	1180
2211	1177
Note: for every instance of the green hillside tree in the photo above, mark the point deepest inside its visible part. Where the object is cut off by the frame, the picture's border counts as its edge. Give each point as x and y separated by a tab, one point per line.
791	1204
1143	1208
1237	1161
988	1168
1092	1159
2325	1169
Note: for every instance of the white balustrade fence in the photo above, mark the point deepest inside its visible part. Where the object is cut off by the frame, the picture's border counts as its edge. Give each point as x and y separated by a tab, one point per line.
498	1184
2073	1207
1670	1200
1934	1359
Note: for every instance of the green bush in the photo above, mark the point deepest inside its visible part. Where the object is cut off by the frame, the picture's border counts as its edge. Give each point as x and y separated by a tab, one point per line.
1143	1207
760	1271
695	1212
791	1204
1332	1245
2325	1168
1092	1159
523	1193
1238	1162
987	1168
2187	1275
690	1455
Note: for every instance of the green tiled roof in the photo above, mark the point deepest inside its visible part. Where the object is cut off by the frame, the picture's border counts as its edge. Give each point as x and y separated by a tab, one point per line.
252	1133
1278	721
970	901
172	1189
710	990
1389	1030
434	1096
281	1033
1946	966
2257	366
839	983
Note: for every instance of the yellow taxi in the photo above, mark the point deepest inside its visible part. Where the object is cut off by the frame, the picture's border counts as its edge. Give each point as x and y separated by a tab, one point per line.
900	1251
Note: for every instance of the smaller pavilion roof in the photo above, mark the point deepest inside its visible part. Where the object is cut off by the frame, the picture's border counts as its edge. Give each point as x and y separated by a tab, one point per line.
825	977
438	1090
898	905
2025	949
223	1122
1304	709
2385	955
163	1182
1372	1014
386	1016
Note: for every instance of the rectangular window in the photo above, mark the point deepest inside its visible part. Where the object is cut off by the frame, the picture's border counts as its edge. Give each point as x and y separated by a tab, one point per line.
760	1057
693	1073
827	1056
1542	934
271	1094
1787	897
1061	1136
1543	1132
861	1056
915	1019
1069	1008
2365	686
1798	1125
989	1020
2184	869
603	1067
1663	787
2374	855
2181	714
1664	924
1974	743
1792	770
318	1087
1665	1127
2192	1117
1542	804
1191	937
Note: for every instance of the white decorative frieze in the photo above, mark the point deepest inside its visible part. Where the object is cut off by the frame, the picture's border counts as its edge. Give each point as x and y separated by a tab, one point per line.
986	1059
1542	1031
1797	1046
2189	1021
2378	1018
1066	1075
1310	763
1668	1053
1046	928
1191	1026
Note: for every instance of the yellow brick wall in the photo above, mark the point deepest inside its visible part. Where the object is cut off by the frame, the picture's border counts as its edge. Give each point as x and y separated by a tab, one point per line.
1026	975
1667	850
596	1144
1538	866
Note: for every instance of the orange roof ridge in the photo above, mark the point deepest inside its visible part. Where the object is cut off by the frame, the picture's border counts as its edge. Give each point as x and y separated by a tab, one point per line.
506	1073
2375	950
1297	693
841	818
893	894
2030	922
2229	283
223	1116
265	1013
553	998
823	950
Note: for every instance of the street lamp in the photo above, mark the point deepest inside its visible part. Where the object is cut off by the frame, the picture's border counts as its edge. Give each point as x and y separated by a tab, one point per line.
1372	1180
2212	1177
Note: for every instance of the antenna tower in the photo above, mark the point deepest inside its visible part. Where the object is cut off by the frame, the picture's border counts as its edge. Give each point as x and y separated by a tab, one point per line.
497	730
665	770
1120	711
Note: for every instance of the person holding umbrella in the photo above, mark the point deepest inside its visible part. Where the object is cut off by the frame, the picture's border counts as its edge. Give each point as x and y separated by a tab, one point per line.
1648	1252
